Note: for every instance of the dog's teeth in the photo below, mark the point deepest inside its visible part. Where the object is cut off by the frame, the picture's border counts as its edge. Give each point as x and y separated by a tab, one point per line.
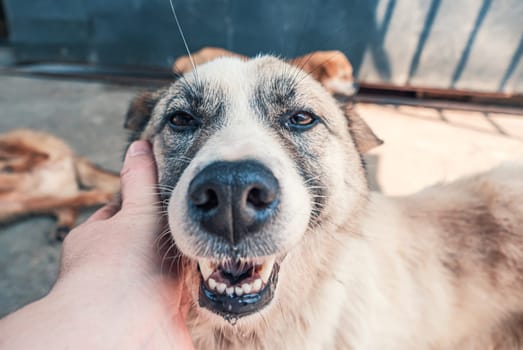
266	269
246	288
265	274
205	268
220	288
256	285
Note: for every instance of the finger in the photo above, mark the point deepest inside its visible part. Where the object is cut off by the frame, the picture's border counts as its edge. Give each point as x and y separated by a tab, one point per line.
138	177
106	212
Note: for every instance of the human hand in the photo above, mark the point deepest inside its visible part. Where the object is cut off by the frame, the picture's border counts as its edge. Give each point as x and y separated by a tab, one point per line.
111	291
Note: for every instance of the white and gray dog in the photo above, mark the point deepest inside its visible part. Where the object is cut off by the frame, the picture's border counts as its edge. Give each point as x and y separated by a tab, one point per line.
284	246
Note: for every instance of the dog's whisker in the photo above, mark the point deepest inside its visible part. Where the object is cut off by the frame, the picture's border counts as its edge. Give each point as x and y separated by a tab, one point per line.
172	245
311	179
157	204
175	262
281	308
178	159
330	58
300	69
265	322
162	234
158	191
164	186
162	237
183	39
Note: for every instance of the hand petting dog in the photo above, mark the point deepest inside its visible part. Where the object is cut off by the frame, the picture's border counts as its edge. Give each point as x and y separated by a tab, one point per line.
115	289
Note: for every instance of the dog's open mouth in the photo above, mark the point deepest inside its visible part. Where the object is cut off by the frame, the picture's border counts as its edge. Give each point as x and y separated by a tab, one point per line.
237	288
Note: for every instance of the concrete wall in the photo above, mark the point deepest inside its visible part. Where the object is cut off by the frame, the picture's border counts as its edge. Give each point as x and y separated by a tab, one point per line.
453	44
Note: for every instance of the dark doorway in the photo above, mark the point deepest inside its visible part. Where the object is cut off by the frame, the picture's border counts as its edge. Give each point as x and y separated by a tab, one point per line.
3	23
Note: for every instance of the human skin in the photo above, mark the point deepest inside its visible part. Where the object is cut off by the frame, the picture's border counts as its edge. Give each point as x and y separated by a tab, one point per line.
115	290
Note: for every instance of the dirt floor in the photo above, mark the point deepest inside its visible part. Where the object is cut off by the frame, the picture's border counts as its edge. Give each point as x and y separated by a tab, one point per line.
422	146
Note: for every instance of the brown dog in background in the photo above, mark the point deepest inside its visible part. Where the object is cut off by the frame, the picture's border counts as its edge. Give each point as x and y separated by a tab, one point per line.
40	174
331	68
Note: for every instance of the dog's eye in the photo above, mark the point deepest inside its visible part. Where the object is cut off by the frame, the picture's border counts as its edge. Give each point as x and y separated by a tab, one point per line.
183	121
301	120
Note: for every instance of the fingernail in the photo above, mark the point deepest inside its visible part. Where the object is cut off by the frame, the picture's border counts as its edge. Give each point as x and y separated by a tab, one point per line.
139	148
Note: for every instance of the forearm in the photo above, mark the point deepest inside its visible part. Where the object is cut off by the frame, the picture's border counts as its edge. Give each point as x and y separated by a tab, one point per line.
57	324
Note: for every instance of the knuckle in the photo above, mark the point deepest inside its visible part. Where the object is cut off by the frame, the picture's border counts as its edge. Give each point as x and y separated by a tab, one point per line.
138	171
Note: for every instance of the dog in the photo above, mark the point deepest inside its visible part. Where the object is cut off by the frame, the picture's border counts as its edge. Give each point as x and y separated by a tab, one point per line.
331	68
283	246
40	174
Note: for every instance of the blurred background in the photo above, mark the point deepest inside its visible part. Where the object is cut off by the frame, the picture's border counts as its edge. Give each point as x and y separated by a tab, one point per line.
441	81
465	45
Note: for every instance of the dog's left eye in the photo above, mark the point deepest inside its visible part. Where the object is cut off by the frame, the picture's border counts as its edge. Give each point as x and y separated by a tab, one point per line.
301	120
183	121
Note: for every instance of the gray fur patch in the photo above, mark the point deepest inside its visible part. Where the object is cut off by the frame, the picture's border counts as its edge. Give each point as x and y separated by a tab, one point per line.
274	97
203	100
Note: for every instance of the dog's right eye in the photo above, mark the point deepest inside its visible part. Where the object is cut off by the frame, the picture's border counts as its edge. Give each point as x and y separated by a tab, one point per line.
183	121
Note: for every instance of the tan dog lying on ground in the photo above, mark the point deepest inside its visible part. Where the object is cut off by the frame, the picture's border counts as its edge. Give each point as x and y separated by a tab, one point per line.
282	244
331	68
40	174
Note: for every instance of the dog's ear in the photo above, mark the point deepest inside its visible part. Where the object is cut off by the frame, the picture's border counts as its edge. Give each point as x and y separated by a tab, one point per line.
364	138
331	68
140	110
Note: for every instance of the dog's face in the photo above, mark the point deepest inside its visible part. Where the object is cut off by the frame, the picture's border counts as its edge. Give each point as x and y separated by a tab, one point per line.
255	159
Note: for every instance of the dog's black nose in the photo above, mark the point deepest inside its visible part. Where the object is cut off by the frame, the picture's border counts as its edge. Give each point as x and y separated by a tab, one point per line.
233	199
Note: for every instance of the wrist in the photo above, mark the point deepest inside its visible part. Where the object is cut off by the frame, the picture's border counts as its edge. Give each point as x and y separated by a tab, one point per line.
95	321
117	318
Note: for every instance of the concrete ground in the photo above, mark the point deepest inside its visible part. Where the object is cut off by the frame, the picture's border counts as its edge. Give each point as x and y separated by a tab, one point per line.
89	116
422	146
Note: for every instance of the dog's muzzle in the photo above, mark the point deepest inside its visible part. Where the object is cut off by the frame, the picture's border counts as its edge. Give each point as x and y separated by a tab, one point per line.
235	201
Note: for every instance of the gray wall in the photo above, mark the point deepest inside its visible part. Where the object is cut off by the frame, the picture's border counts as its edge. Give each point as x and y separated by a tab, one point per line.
457	44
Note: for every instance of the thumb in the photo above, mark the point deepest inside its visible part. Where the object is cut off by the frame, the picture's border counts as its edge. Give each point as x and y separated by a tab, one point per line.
138	178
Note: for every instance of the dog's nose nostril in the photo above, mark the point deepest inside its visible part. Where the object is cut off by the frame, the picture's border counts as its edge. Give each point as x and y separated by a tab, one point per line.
204	199
261	197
